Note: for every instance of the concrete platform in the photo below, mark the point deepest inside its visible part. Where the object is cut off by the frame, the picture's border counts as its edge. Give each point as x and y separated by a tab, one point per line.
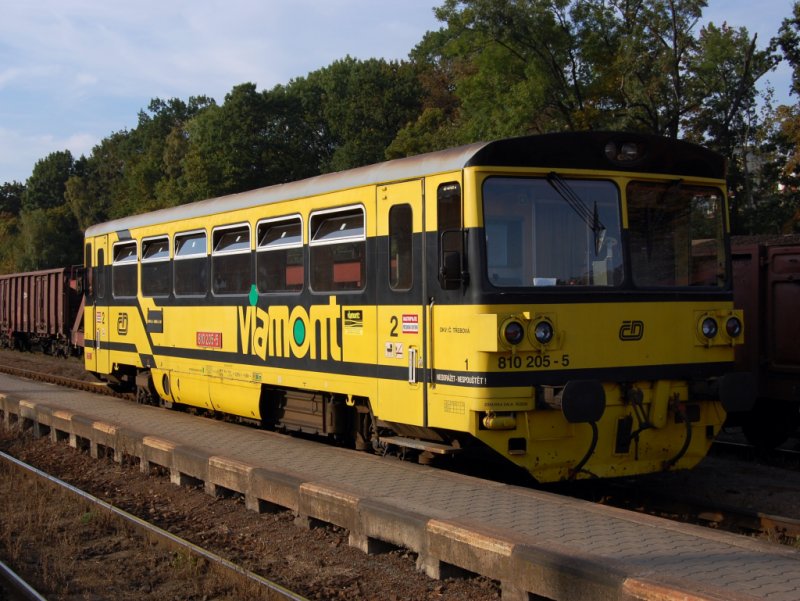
539	546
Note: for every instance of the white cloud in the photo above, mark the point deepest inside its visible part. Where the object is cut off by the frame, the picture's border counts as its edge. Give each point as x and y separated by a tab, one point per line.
72	66
20	152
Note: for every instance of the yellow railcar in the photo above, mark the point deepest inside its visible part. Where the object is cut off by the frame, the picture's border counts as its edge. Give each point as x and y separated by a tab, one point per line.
563	300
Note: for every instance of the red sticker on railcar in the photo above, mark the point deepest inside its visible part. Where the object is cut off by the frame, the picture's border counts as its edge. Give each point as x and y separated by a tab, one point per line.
410	324
209	339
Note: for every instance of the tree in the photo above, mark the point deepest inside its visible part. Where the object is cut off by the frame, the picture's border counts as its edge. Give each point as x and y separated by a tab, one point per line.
48	232
547	65
45	187
99	181
725	66
786	137
655	43
49	238
226	144
152	169
363	105
526	72
436	126
10	203
11	194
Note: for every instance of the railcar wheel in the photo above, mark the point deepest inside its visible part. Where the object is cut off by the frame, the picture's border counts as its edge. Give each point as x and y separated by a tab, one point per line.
771	423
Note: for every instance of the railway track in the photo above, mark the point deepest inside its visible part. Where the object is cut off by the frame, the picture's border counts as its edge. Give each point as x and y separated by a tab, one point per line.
14	588
75	384
644	497
633	495
232	576
785	458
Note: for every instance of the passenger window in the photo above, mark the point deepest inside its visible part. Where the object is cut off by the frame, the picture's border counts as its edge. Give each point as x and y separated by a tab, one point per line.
338	250
279	256
123	270
190	264
451	242
88	275
230	260
401	273
101	273
156	270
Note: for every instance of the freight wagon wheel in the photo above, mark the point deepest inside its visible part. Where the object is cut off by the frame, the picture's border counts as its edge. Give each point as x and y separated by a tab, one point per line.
771	423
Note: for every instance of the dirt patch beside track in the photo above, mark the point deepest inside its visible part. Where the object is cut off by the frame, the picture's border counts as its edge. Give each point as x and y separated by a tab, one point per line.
316	563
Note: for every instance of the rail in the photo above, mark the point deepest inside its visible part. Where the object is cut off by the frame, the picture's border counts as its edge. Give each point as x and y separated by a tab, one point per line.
16	587
155	533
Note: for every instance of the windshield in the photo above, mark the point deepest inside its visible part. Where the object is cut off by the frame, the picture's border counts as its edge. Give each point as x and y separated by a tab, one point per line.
552	232
676	234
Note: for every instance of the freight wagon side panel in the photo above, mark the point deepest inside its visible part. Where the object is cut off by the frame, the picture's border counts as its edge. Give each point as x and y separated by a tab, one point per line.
783	351
4	303
747	295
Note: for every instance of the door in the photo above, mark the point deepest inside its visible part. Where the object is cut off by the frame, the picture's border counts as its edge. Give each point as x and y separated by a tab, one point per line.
400	277
783	299
97	317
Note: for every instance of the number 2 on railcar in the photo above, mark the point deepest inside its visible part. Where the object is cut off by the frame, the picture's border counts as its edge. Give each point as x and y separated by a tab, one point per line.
561	300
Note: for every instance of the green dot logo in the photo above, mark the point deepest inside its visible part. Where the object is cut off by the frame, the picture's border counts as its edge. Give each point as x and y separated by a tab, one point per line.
299	331
253	297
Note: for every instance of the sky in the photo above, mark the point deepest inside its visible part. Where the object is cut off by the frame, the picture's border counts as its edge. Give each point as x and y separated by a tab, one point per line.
74	71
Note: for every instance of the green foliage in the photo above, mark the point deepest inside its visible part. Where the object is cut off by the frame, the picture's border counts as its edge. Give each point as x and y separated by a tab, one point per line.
49	238
46	233
788	41
11	194
46	185
9	234
152	159
363	105
99	180
726	65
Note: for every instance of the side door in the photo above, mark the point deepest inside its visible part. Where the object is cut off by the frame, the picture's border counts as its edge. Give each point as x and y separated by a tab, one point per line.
100	312
401	283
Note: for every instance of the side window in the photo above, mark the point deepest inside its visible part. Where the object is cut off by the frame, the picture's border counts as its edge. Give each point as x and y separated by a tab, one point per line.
338	247
230	260
88	275
101	273
189	266
401	274
451	242
124	281
279	255
156	272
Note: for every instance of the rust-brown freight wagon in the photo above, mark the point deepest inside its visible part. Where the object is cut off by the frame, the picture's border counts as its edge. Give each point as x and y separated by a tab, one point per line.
766	285
42	308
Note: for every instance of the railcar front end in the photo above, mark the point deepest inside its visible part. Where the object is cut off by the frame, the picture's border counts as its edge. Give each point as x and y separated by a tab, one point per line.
602	341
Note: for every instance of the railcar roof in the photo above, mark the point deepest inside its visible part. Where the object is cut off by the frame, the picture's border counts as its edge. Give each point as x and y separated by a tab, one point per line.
579	150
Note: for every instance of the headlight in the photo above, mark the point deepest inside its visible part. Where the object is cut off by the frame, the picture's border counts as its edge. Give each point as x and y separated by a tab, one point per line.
624	152
709	327
543	332
514	332
733	327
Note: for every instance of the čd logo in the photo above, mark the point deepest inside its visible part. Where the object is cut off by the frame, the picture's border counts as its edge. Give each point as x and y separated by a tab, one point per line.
631	330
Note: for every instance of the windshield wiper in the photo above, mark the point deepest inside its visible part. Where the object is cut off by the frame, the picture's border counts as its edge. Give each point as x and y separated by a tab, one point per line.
588	216
655	216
